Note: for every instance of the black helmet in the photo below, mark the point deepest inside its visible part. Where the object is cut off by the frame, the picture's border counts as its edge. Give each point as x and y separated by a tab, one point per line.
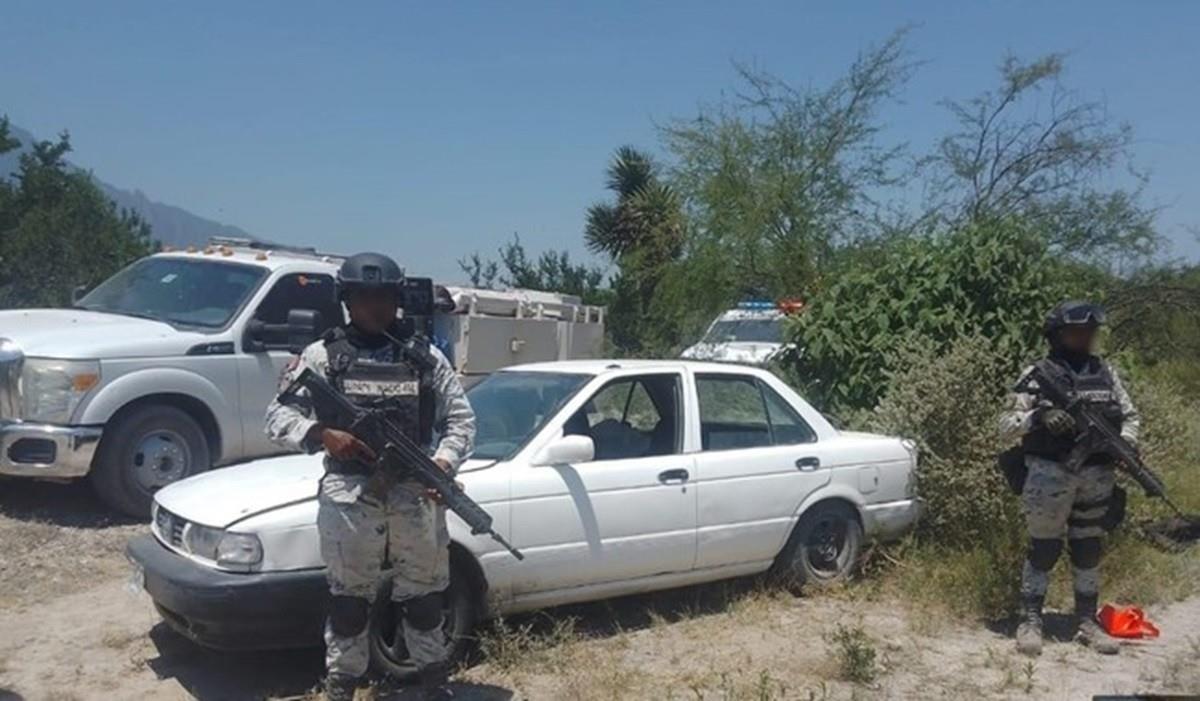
1074	313
369	270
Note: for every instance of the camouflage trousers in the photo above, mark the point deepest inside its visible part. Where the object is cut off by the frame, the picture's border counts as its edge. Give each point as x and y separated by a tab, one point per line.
366	541
1052	499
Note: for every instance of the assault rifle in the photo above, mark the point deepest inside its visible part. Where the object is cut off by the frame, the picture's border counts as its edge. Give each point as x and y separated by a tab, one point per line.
1094	434
395	451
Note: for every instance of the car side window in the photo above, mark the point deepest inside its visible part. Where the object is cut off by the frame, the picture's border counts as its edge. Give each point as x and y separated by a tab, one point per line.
631	417
787	426
301	291
732	413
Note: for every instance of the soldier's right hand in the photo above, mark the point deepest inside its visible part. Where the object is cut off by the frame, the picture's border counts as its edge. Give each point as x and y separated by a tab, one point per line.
1058	421
344	446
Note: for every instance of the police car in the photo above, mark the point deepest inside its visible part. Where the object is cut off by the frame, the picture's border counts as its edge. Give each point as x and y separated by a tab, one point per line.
751	333
611	476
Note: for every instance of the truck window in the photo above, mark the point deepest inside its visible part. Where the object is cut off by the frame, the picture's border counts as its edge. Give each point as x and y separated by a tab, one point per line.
301	291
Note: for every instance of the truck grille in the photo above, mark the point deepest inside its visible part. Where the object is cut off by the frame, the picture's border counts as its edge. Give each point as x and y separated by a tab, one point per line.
170	527
11	362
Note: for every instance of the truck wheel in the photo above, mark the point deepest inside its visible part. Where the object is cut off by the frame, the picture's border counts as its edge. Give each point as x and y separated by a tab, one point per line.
144	450
389	656
823	548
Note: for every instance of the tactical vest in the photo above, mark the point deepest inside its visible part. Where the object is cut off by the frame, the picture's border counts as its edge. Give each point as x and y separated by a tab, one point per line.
401	385
1093	384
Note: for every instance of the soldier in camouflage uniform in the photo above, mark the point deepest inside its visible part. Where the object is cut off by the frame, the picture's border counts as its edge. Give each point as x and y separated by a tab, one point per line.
371	530
1058	501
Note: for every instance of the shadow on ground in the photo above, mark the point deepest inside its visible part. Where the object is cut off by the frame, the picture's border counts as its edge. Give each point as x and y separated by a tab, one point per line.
71	504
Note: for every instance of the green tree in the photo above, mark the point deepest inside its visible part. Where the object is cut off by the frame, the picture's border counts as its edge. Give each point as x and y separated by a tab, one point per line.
551	271
57	229
778	177
1035	149
642	231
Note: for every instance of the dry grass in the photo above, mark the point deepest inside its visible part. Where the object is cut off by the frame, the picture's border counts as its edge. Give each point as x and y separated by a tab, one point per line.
57	540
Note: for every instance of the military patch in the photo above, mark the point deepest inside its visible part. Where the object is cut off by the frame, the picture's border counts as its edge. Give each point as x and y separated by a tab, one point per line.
380	388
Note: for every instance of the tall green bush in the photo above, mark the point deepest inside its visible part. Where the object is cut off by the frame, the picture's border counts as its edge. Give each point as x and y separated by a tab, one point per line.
994	280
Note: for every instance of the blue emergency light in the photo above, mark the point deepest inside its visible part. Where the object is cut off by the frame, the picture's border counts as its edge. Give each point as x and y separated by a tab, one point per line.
756	304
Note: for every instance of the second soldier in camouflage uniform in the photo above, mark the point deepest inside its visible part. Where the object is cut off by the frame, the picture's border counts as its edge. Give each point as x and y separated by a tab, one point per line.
371	530
1057	501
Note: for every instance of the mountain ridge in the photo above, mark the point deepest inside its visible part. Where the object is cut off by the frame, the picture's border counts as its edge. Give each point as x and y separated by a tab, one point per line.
170	224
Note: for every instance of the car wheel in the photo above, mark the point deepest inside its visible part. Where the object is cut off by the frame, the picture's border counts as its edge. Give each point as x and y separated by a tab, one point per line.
823	548
143	451
389	656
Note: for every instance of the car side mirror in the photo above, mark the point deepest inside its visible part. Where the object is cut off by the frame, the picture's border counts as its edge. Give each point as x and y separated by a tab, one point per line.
299	331
565	451
77	293
302	326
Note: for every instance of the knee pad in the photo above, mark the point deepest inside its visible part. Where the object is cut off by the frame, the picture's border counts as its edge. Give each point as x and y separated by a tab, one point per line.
1085	552
1044	552
348	615
424	612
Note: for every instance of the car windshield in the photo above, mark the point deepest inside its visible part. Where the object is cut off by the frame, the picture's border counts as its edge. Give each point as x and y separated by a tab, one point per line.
746	330
188	292
511	406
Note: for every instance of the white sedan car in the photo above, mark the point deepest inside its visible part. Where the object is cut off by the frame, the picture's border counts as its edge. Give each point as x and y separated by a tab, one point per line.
612	477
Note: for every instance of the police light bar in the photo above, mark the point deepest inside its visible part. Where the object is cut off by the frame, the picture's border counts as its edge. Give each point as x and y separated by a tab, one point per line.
756	304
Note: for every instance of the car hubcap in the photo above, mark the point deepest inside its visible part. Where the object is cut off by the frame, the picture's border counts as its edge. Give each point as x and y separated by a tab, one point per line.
161	457
826	547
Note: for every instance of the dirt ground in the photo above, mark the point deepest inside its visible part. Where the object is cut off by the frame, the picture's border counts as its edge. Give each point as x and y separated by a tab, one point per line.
70	629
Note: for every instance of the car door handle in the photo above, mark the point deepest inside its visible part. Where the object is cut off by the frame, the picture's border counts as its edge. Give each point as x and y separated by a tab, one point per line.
673	476
808	464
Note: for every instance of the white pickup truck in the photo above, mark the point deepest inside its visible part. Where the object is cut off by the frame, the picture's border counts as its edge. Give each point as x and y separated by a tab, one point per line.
165	369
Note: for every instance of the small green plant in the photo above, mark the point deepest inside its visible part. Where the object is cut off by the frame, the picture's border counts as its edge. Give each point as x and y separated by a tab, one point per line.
1028	671
855	652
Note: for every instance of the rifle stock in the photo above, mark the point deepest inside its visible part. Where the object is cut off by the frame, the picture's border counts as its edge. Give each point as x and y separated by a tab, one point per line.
395	450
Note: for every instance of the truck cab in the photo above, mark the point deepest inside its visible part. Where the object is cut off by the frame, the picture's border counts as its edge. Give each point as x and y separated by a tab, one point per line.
165	369
752	333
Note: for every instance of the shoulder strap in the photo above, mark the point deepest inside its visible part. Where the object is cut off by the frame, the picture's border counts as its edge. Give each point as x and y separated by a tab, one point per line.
416	351
340	350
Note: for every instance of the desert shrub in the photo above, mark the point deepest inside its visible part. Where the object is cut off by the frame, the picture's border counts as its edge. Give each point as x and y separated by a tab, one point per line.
855	653
950	403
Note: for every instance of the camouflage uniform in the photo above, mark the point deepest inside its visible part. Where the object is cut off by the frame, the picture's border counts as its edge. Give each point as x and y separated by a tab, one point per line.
1059	502
371	532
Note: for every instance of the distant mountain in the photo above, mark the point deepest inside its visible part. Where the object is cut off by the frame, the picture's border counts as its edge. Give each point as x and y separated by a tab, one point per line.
169	224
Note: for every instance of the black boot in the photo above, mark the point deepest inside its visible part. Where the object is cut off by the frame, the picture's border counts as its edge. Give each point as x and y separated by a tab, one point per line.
1029	629
340	687
1090	633
435	682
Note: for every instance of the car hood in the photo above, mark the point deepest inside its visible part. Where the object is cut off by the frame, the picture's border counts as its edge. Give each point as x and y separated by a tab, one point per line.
749	353
77	333
221	498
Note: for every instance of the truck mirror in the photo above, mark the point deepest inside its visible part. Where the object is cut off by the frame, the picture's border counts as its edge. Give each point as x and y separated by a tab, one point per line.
302	327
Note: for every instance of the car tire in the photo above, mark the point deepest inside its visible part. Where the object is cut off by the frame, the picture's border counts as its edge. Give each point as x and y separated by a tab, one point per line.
824	547
143	450
460	611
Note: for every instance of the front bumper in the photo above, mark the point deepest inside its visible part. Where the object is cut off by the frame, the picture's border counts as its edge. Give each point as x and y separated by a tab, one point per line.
47	450
892	519
229	610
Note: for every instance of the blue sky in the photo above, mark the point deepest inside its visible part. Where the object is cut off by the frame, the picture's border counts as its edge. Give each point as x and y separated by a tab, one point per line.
428	130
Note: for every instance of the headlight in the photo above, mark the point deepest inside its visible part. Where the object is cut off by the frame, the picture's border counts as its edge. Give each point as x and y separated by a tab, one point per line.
202	541
239	551
51	389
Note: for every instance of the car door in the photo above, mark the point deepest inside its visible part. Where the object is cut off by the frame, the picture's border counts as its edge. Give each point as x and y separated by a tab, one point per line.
758	461
630	512
259	371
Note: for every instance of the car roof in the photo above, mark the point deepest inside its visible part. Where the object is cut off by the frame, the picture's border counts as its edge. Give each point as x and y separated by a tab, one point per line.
607	366
269	259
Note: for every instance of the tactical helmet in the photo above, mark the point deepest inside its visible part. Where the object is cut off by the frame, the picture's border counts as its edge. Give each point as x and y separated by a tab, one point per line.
1074	313
369	270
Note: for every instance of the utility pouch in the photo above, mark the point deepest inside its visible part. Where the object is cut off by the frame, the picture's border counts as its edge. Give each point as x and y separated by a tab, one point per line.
1011	464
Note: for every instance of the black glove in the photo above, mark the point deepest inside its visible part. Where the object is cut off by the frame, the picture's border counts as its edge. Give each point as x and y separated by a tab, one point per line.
1057	421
